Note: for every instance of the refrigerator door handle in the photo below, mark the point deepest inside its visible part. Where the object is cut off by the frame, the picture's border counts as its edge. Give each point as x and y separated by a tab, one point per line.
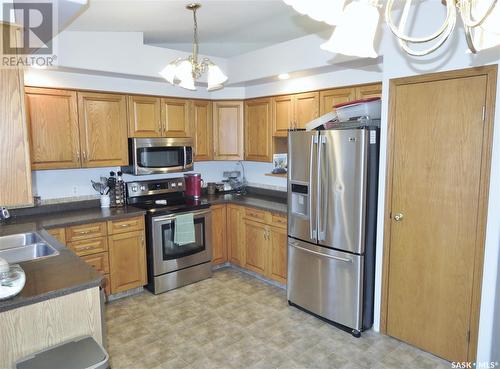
345	260
312	230
321	204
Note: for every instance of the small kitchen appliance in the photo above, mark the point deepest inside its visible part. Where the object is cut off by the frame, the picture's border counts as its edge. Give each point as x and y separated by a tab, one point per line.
172	265
193	183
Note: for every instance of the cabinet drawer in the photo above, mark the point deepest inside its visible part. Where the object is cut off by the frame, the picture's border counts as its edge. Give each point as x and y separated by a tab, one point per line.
257	215
125	225
58	233
279	221
99	262
88	247
85	231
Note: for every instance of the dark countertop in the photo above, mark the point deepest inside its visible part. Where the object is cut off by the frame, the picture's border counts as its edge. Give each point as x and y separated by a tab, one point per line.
62	274
273	204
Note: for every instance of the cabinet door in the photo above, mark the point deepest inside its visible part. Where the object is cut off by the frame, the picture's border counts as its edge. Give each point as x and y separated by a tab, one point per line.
53	126
277	255
144	116
365	92
175	117
306	108
103	129
329	98
59	234
219	246
15	171
201	120
282	115
228	130
256	245
258	134
235	245
127	261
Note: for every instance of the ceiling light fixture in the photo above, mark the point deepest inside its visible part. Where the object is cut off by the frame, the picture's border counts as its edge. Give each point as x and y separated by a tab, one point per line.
283	76
481	20
185	71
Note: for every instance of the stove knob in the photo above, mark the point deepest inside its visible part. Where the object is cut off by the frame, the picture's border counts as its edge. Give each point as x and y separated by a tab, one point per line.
143	188
134	188
173	185
179	184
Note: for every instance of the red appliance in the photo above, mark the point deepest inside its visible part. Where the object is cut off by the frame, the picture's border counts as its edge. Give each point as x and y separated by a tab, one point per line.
193	185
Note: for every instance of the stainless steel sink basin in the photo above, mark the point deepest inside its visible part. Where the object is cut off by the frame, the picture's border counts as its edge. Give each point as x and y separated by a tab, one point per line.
24	247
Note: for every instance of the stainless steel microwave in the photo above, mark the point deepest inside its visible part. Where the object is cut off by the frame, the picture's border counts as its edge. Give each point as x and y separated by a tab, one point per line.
159	155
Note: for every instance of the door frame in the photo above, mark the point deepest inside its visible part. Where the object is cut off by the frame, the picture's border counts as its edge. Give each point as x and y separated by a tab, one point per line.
490	72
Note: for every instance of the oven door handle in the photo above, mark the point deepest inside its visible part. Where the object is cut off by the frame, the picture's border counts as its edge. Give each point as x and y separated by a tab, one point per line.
198	214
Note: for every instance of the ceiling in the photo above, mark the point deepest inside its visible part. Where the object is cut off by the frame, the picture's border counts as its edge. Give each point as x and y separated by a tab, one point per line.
226	28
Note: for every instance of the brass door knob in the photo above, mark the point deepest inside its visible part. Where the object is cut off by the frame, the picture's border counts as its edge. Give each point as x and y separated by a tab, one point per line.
398	217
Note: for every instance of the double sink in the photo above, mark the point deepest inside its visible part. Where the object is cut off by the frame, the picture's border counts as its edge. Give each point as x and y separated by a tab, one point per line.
25	247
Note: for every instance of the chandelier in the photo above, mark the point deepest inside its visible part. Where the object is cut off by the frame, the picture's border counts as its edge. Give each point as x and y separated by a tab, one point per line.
357	23
184	71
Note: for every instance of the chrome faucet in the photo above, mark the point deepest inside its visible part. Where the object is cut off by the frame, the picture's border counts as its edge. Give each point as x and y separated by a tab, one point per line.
4	214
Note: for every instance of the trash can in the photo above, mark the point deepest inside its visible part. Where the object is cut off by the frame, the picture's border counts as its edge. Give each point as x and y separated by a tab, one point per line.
80	353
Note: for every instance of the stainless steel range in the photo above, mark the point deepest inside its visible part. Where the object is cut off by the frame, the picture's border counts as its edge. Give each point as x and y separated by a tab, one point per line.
171	265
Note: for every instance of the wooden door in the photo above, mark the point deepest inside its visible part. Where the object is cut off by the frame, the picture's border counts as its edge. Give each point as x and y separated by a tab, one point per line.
219	244
282	115
201	118
175	117
52	118
434	205
234	231
258	130
329	98
127	261
15	171
256	246
306	108
278	254
144	116
228	130
103	129
367	91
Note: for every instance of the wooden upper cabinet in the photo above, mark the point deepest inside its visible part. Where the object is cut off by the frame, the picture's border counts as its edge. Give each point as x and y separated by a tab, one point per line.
15	171
144	116
52	117
367	91
258	130
175	117
103	129
306	108
282	115
228	130
201	120
329	98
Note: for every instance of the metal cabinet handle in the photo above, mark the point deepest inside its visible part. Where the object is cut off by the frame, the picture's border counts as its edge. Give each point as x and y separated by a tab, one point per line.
84	156
398	217
84	232
78	155
125	225
321	254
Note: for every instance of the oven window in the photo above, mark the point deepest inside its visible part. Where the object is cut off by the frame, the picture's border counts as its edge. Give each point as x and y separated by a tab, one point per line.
173	251
160	157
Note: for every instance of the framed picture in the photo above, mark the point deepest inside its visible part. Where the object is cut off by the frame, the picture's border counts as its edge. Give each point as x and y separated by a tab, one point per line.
280	162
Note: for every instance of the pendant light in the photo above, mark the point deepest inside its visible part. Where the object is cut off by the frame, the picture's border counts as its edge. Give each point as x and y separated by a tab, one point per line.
184	72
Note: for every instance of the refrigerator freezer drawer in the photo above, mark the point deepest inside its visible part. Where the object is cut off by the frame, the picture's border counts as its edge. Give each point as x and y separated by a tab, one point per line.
326	282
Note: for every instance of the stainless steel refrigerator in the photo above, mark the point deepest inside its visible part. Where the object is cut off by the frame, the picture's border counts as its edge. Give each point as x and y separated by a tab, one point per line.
332	206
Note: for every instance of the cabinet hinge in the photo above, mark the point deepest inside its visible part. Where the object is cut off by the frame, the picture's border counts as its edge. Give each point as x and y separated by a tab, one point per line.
484	113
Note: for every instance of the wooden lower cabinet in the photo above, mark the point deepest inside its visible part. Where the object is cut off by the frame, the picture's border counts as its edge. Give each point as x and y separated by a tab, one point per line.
127	253
278	255
256	246
219	246
234	227
115	248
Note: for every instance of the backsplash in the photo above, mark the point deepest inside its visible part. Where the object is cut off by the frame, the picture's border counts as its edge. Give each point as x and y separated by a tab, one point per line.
63	185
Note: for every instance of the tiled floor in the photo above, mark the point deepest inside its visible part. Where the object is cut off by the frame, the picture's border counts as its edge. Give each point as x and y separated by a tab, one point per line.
236	321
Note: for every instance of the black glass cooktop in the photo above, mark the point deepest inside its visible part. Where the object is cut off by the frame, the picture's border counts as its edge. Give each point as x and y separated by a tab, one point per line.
165	204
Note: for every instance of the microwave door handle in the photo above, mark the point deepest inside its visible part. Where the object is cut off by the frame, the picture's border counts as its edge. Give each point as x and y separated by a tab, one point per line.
185	156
